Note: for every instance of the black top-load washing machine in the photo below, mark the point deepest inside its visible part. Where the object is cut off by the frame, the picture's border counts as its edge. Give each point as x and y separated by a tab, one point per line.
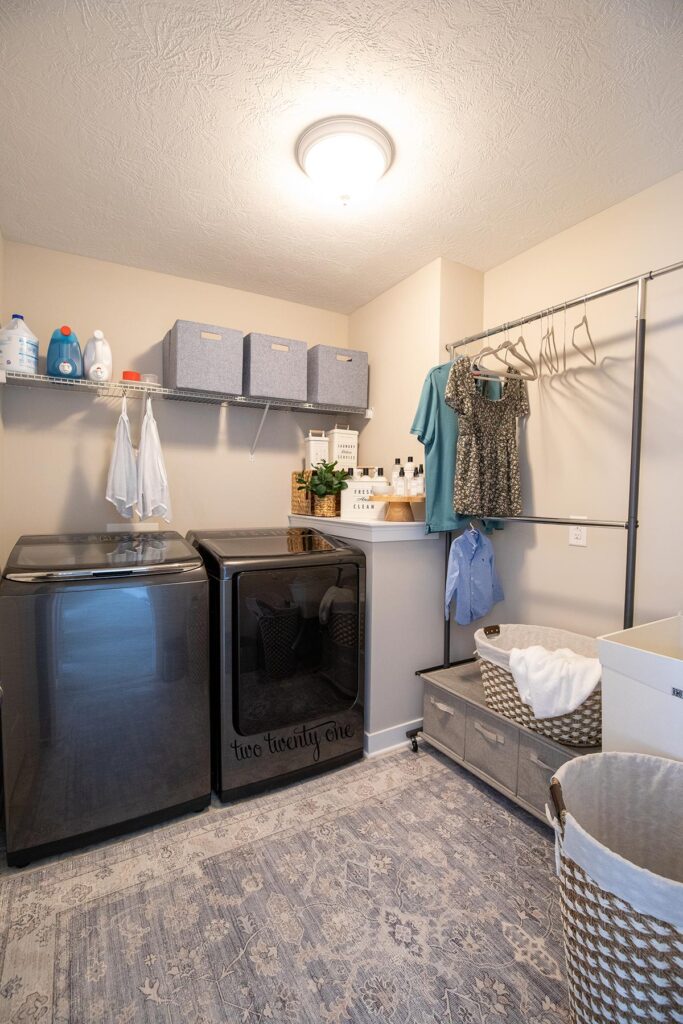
287	658
105	678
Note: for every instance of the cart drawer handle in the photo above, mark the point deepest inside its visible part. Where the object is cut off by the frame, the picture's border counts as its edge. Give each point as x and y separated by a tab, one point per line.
535	759
442	707
494	737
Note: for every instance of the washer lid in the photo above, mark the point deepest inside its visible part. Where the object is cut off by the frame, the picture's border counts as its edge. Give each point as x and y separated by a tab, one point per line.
228	545
87	555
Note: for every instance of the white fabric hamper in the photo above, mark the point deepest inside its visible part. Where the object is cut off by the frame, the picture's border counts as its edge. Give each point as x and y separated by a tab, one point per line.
619	843
642	673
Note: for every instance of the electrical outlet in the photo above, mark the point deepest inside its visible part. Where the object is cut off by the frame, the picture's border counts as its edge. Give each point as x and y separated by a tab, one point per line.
578	536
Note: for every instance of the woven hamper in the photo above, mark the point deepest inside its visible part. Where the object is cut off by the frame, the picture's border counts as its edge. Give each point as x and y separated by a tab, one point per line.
581	727
618	823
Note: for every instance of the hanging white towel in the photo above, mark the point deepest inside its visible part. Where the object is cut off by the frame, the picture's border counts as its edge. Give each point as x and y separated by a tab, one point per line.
153	494
122	481
553	683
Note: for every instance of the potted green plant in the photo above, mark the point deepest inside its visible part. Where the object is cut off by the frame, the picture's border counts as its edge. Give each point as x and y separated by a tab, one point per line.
324	484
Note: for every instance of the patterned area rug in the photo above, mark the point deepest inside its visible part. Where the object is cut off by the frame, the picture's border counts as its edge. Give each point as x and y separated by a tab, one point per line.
398	889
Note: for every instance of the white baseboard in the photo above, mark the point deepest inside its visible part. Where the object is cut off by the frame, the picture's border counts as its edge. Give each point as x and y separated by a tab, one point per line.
389	739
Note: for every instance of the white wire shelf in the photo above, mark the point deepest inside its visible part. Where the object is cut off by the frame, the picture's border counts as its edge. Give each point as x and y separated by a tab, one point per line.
135	389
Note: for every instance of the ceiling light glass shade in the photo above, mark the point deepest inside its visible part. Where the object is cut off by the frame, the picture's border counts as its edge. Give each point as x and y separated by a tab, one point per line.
345	156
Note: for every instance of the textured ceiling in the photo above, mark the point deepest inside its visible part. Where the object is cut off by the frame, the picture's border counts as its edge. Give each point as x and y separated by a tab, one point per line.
160	133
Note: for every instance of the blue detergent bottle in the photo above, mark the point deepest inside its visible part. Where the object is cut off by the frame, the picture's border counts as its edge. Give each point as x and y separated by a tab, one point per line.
64	357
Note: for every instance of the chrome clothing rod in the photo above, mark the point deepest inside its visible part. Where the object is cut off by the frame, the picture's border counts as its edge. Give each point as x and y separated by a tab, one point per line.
569	304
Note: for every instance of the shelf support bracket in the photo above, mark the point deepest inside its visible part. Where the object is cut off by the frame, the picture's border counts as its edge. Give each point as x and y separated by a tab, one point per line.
254	445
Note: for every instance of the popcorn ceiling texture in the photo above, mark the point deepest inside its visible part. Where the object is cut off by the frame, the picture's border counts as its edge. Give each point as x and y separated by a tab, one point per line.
160	133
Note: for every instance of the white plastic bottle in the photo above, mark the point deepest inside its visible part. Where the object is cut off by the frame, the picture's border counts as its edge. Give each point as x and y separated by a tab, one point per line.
18	347
414	484
409	467
97	361
394	473
401	485
380	484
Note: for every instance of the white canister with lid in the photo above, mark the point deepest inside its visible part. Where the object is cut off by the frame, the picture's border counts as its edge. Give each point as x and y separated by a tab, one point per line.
316	447
18	347
343	446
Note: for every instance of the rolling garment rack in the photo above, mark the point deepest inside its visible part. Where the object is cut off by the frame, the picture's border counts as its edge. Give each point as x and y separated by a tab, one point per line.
630	525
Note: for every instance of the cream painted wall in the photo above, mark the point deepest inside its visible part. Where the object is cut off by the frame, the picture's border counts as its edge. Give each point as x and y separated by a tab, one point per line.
57	447
400	331
404	330
575	446
461	303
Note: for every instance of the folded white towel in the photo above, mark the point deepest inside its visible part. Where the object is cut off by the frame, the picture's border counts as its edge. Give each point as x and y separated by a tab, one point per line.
553	683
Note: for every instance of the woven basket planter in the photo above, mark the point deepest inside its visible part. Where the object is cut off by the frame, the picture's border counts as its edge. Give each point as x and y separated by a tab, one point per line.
302	503
326	507
623	961
582	727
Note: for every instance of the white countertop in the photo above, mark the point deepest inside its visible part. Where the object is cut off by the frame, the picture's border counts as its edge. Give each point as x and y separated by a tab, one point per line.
374	530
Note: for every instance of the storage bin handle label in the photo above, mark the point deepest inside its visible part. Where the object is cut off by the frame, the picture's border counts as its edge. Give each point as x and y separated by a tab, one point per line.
442	707
277	346
488	734
209	336
344	359
535	759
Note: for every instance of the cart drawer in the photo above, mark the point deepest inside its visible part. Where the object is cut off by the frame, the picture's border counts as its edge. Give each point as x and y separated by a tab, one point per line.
444	718
537	763
491	746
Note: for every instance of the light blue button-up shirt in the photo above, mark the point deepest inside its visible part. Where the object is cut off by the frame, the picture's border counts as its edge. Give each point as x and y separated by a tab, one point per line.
472	578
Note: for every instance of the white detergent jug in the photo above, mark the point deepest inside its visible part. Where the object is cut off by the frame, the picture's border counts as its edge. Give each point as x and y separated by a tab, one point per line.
97	361
18	347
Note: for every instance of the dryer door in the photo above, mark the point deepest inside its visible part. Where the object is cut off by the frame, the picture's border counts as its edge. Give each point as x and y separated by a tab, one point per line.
297	643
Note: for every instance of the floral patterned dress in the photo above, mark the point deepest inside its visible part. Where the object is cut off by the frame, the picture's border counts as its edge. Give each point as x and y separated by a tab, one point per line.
487	461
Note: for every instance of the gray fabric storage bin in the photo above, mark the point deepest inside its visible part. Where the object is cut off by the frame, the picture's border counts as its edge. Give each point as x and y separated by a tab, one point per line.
337	376
203	357
274	367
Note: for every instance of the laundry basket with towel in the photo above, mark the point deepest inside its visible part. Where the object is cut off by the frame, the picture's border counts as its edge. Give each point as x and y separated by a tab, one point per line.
619	834
543	678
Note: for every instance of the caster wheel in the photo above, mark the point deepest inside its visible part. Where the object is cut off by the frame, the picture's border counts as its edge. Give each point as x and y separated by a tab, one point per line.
413	744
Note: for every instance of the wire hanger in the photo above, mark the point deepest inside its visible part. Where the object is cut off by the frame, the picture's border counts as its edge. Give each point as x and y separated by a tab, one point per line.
549	353
524	356
502	347
592	356
478	364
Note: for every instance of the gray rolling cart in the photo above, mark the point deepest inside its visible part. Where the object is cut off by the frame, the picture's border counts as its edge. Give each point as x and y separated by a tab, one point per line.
515	761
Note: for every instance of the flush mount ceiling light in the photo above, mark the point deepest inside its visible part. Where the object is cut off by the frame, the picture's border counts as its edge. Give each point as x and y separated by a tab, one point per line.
345	156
